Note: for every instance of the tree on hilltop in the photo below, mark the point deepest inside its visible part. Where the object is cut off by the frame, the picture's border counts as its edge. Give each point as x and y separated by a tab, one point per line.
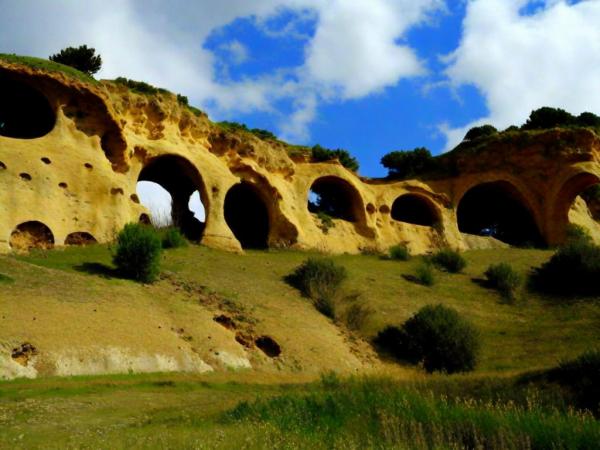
81	58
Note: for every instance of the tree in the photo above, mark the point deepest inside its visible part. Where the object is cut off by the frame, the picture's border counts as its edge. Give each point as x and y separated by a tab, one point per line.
478	132
81	58
320	154
546	117
404	164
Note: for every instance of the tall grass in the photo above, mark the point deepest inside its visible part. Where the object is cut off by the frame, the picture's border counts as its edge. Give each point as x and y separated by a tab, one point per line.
377	413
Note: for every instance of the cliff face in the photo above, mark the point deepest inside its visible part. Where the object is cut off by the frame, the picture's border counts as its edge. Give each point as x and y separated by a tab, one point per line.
72	152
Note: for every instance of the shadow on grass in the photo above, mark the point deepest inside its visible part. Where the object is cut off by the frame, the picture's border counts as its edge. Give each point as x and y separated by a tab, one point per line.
6	279
95	268
414	279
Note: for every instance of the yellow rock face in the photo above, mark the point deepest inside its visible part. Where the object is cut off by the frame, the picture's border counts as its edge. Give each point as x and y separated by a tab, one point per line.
72	153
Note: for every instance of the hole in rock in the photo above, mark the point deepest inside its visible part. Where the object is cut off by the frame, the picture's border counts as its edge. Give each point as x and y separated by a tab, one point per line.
30	235
334	197
497	209
247	216
268	346
24	112
80	238
63	185
25	176
414	209
46	160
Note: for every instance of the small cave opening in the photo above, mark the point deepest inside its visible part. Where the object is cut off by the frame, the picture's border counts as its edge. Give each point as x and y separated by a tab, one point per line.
334	197
247	216
498	210
24	111
30	235
591	197
80	238
170	188
414	209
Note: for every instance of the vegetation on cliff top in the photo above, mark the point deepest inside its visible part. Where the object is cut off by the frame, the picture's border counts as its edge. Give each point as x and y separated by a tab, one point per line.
82	58
46	65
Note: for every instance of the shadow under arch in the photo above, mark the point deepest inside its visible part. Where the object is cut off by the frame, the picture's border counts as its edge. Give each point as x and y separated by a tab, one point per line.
559	217
180	178
498	209
337	198
25	113
415	209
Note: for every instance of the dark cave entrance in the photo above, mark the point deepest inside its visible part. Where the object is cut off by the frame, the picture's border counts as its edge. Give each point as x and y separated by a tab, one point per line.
181	180
24	112
247	216
334	197
497	209
414	209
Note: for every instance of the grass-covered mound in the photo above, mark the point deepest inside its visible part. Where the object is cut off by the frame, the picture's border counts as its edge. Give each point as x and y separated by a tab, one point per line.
45	64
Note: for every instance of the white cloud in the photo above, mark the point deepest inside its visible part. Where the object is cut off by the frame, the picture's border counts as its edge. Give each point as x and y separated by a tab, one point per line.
237	51
550	57
356	50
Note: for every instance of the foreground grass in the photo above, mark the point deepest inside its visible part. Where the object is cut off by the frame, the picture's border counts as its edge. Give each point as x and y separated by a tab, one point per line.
228	411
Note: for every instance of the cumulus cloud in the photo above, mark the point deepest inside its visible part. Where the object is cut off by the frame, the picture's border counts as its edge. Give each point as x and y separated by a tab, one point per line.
357	48
521	60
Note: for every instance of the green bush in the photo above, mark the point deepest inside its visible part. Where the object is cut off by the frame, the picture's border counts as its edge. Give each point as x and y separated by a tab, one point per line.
479	132
547	117
319	279
81	58
400	252
172	238
503	278
573	270
450	260
577	233
424	274
236	126
357	314
438	337
406	164
319	154
137	253
581	376
326	221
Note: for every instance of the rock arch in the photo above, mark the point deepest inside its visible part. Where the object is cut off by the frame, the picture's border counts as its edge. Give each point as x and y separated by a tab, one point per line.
337	198
80	238
25	113
415	209
247	215
180	178
500	210
32	234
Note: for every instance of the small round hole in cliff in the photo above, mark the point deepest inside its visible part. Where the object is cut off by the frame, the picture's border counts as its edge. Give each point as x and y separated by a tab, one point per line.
335	197
80	238
24	111
171	188
2	166
414	209
63	185
145	219
88	166
117	191
498	209
134	198
247	216
268	346
25	176
30	235
46	160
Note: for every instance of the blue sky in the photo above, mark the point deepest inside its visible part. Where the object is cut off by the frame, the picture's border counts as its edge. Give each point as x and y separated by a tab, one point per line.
370	76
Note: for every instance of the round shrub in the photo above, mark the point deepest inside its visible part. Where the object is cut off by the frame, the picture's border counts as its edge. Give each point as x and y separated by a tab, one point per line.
137	253
449	260
424	274
437	337
503	278
573	270
400	253
172	238
479	132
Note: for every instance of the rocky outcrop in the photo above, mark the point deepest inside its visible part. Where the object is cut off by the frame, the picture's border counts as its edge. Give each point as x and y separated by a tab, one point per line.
73	172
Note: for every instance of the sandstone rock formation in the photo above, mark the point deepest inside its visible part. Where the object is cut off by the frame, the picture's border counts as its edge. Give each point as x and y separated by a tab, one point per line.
72	152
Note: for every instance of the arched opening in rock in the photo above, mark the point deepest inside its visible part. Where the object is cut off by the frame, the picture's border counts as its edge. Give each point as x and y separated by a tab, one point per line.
334	197
172	190
30	235
80	238
415	209
247	216
269	346
497	209
24	112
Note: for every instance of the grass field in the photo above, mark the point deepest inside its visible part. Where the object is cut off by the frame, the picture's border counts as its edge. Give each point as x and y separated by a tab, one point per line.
277	404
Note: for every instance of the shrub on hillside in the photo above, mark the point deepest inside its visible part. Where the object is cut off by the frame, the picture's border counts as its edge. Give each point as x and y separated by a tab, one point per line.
400	252
547	117
172	238
437	337
357	314
504	279
424	274
319	279
581	376
81	58
406	164
137	253
479	132
573	270
577	233
449	260
319	154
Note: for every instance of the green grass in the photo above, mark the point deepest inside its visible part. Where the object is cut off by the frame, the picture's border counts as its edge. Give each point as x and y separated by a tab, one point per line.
45	64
